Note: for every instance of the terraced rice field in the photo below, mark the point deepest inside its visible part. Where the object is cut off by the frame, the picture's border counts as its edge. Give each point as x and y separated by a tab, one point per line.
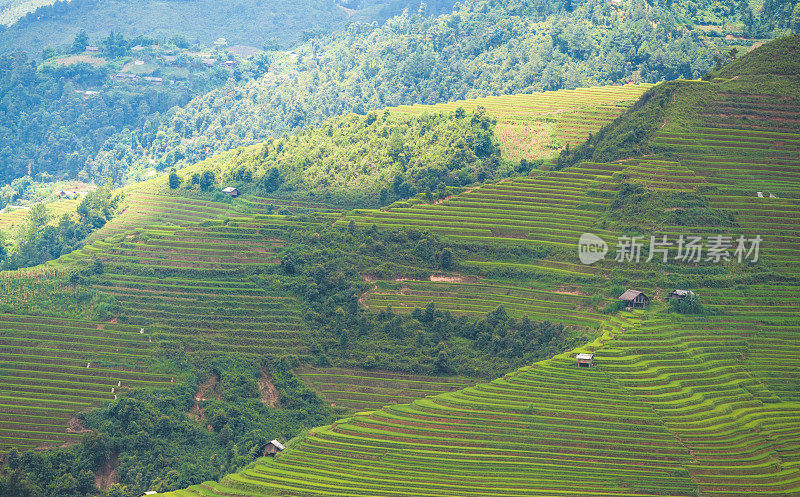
722	387
748	144
699	406
194	283
547	429
359	389
539	125
478	299
52	368
552	209
11	218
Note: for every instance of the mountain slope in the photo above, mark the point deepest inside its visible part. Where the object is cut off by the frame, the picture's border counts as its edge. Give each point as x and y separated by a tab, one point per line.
677	404
479	50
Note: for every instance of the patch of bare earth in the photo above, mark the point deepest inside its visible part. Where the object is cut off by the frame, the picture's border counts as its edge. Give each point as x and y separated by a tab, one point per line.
268	393
205	391
108	474
76	425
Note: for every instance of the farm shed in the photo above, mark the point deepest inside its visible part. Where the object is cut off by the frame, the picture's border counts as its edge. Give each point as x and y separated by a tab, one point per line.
585	360
272	448
209	62
679	294
231	190
92	48
634	299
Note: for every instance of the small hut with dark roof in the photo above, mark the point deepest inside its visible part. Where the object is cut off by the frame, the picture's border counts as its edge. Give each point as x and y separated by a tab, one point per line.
634	299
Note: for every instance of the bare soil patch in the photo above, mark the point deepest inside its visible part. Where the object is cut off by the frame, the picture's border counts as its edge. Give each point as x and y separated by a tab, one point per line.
108	474
75	59
269	394
569	291
76	425
453	278
205	391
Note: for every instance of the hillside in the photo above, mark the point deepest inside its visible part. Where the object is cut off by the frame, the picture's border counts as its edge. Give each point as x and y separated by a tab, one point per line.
700	403
427	347
36	25
425	151
502	48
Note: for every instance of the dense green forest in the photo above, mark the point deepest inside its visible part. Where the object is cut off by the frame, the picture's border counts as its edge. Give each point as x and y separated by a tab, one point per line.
367	160
481	49
55	116
255	23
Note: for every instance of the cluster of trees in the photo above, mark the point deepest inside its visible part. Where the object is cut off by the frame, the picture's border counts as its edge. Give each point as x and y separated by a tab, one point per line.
638	208
38	239
366	160
480	49
323	266
153	444
48	125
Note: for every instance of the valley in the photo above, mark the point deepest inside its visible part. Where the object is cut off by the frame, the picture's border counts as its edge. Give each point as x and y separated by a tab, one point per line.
397	300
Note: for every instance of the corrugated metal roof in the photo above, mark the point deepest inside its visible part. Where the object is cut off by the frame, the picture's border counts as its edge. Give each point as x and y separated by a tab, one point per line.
277	444
584	355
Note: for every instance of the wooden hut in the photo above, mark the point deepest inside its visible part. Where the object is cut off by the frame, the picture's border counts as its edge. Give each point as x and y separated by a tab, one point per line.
272	448
634	299
231	190
585	360
679	294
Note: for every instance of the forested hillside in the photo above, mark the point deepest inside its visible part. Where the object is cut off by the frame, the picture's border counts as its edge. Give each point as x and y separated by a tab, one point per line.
250	22
481	49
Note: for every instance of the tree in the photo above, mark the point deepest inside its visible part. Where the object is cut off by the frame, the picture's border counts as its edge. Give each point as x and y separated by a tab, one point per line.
80	42
174	179
446	259
272	180
207	181
442	363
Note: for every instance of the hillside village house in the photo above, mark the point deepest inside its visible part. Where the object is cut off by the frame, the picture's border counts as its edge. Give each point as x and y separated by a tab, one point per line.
634	299
272	448
231	190
679	294
92	48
